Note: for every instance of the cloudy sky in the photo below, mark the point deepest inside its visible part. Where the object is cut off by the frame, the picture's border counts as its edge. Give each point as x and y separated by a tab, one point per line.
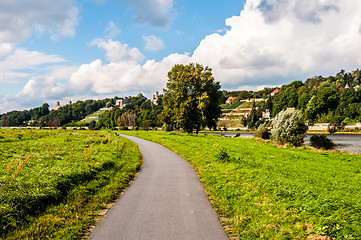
79	49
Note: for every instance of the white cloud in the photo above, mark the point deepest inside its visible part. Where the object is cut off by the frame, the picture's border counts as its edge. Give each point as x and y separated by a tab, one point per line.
158	13
112	30
270	43
67	27
253	52
276	40
42	87
153	43
118	52
19	18
5	50
22	59
62	72
121	77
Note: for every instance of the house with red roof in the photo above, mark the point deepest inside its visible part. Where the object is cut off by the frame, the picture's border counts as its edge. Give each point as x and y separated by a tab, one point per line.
230	100
275	92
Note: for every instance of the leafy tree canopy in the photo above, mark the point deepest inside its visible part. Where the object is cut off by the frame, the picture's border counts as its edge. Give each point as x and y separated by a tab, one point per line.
191	98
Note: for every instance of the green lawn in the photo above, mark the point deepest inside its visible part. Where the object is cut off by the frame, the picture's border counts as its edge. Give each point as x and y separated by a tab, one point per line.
261	191
54	183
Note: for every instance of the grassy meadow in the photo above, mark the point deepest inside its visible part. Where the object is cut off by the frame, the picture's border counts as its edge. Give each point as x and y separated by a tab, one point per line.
262	191
54	184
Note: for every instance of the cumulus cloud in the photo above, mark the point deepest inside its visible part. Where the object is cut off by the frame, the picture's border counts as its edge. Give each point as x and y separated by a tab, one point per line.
39	89
112	30
255	51
306	10
153	43
276	41
121	77
158	13
19	18
118	52
5	50
22	59
42	87
67	27
271	42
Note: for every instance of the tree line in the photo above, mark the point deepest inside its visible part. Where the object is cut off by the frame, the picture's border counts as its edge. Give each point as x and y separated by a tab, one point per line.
42	116
139	113
334	99
192	100
21	118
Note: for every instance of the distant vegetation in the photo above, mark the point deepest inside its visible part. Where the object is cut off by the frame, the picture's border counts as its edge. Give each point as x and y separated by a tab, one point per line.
21	118
139	113
42	117
334	99
74	112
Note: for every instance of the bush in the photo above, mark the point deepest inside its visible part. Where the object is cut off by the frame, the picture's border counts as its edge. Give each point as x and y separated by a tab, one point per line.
262	132
322	141
289	127
223	156
331	128
92	124
124	128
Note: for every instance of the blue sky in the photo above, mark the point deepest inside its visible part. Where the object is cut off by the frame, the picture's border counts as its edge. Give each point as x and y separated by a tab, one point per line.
71	50
189	22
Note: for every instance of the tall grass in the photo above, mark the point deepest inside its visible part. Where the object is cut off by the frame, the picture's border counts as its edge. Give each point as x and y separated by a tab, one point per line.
55	182
261	191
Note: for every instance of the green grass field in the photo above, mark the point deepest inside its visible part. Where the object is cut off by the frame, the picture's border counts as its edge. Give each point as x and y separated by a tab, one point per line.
54	183
261	191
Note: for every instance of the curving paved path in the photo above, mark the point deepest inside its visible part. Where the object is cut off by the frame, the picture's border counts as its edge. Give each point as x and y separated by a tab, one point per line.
166	201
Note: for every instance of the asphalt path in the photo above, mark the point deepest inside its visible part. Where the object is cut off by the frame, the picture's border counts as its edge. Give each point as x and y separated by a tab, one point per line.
165	201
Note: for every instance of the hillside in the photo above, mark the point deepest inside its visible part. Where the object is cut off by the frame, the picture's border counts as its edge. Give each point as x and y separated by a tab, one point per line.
94	116
334	99
235	118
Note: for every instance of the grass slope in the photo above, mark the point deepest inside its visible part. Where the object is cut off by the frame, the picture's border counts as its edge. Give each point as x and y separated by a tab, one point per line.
54	183
93	117
261	191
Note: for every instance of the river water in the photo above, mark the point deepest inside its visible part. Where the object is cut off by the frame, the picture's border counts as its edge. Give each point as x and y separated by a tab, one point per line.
344	142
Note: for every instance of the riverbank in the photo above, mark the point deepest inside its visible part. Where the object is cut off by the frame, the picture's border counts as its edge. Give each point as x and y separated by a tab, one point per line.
347	142
262	191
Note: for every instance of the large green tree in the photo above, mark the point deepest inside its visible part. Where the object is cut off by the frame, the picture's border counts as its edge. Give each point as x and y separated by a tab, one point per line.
192	98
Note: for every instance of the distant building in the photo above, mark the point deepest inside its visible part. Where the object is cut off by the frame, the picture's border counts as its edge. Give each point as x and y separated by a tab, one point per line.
123	102
266	114
57	105
230	100
290	109
154	99
255	100
275	92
